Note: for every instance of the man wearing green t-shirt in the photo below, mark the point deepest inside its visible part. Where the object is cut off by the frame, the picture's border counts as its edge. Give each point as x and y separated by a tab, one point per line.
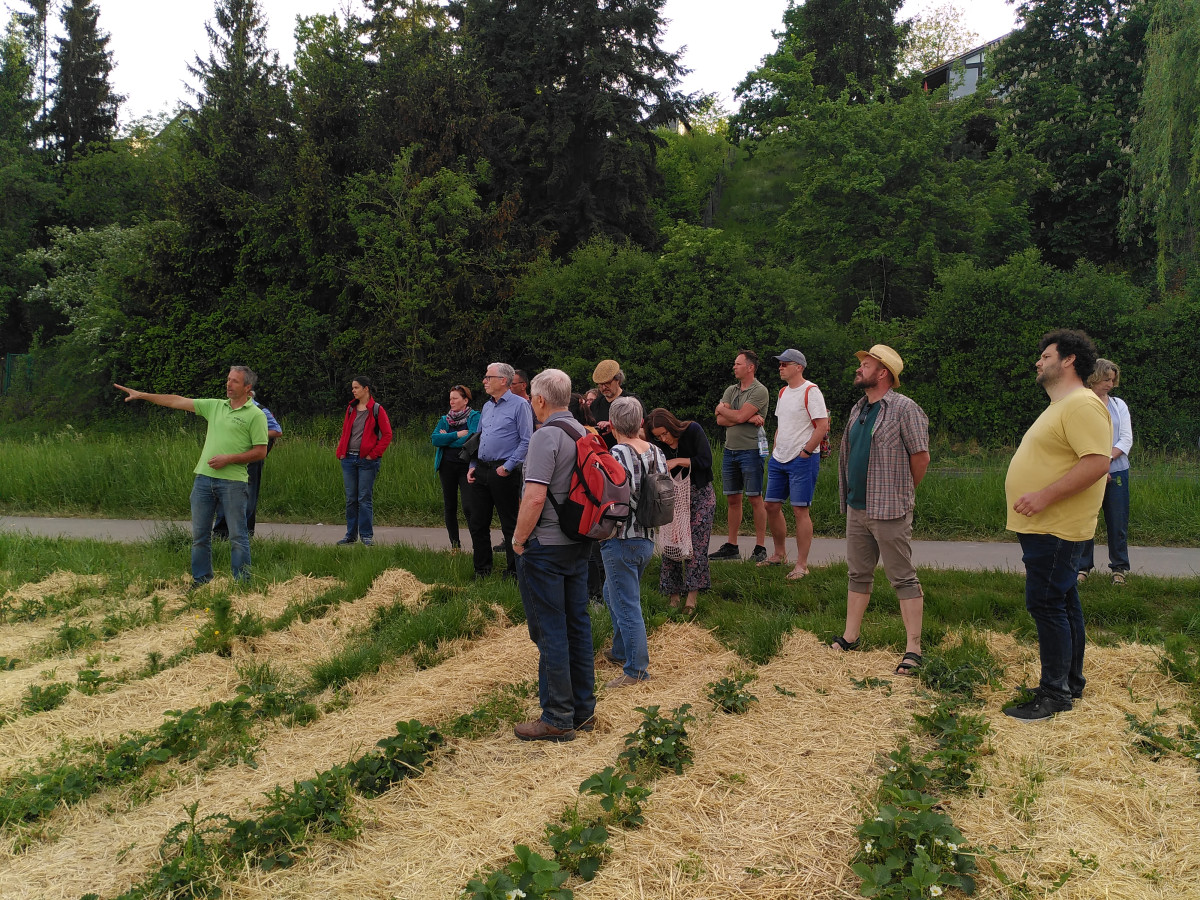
237	435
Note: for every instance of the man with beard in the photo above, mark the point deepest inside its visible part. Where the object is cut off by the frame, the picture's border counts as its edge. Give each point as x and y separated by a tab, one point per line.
883	457
1054	488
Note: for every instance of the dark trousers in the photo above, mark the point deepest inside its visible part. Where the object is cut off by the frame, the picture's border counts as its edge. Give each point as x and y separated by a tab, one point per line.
254	473
1052	598
489	493
453	475
553	584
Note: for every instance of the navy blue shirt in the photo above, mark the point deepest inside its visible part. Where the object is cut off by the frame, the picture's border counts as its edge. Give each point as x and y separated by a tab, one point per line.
505	427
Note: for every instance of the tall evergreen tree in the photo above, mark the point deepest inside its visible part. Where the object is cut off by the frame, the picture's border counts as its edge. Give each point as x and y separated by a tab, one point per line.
585	84
35	24
854	45
85	107
1072	77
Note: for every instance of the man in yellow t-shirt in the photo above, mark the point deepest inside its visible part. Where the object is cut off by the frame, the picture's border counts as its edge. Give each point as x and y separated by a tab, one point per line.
237	436
1054	488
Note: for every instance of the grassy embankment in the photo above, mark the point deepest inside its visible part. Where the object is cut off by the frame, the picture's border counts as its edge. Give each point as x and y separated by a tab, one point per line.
147	474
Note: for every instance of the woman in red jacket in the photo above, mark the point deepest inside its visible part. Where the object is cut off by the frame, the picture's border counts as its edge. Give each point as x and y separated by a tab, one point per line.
366	433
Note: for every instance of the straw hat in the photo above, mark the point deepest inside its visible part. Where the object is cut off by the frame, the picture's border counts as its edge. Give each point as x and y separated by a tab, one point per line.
890	358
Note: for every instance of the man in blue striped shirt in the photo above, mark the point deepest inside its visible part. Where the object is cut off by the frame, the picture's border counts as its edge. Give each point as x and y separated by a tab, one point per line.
505	427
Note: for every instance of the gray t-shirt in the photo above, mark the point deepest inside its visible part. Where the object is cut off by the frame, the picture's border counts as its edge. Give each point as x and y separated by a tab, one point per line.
550	460
745	436
356	431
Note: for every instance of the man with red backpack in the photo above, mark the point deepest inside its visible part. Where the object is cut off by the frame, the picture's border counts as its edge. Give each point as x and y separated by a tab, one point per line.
795	461
552	555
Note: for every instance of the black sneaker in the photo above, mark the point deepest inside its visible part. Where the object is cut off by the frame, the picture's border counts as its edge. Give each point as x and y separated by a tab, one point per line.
1041	707
348	540
727	551
759	554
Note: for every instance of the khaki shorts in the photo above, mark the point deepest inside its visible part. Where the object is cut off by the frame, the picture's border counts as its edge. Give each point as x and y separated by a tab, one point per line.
869	540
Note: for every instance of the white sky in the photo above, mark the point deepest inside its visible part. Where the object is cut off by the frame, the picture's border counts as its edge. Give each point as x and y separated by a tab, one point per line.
152	43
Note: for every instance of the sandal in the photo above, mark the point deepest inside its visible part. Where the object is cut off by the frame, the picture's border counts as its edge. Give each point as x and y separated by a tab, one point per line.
909	663
796	574
845	645
689	610
772	561
1118	578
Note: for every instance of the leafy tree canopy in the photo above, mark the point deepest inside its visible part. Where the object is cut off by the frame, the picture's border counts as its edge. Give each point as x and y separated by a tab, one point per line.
1072	76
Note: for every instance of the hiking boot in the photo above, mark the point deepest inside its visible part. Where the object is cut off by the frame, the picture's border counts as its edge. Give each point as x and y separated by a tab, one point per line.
537	730
759	554
624	680
1041	707
727	551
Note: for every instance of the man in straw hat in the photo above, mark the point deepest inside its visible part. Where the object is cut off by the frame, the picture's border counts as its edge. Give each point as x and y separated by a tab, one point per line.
1054	488
883	457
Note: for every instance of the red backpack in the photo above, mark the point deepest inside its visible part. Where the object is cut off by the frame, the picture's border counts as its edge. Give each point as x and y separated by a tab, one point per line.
597	501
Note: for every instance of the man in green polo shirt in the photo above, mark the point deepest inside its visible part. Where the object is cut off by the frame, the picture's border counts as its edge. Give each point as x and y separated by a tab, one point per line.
237	435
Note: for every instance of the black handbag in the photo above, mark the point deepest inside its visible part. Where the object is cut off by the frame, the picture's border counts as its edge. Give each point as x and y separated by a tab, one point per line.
468	450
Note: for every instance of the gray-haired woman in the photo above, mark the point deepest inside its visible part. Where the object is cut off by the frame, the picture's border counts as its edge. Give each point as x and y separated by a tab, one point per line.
627	553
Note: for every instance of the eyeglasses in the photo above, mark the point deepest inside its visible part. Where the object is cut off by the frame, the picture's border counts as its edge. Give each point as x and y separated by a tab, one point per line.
784	365
489	377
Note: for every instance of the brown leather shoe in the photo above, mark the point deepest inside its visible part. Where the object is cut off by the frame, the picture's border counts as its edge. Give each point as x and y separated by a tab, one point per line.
586	725
625	680
537	730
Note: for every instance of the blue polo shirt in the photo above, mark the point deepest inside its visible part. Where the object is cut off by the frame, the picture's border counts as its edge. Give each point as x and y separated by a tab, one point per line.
505	427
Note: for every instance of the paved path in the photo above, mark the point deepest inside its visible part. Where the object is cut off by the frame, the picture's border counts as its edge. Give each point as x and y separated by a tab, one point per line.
978	555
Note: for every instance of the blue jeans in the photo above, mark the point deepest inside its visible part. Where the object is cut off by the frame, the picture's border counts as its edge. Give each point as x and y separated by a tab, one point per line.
1116	523
1052	598
358	477
553	582
624	563
207	494
741	472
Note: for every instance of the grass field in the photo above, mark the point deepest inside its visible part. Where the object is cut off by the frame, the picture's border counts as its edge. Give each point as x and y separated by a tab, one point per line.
155	743
148	474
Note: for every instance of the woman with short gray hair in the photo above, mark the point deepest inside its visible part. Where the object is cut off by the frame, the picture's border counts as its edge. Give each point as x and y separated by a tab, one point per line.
626	554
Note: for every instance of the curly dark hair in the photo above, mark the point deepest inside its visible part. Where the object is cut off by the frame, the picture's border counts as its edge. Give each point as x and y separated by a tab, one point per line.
1073	343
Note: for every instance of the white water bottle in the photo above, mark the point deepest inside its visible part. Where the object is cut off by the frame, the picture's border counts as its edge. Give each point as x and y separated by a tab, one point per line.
764	449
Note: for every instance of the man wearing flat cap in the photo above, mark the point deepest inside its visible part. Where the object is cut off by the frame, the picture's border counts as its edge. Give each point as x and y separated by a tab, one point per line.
883	457
610	381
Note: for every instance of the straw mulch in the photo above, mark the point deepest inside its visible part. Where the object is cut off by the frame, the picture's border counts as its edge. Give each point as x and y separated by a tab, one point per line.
139	705
272	602
426	837
136	706
1086	788
97	851
20	639
304	643
56	583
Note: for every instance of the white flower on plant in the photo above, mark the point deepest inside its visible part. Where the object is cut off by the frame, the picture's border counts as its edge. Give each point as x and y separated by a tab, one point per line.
891	768
514	894
953	848
658	740
935	891
879	818
869	847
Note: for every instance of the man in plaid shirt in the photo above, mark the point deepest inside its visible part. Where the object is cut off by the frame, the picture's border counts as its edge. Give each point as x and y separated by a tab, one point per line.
883	457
